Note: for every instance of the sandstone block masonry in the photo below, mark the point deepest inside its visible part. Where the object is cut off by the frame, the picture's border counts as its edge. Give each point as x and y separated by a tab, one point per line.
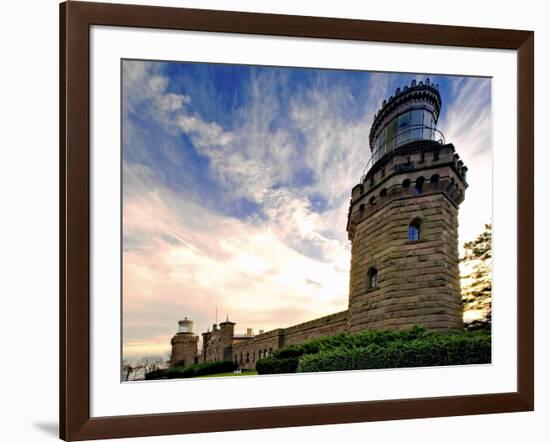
416	278
184	349
247	353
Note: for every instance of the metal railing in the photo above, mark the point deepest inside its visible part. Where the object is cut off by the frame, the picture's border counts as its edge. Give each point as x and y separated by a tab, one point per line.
399	139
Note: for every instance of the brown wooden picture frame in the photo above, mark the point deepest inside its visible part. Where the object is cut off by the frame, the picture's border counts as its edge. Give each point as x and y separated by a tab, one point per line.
76	18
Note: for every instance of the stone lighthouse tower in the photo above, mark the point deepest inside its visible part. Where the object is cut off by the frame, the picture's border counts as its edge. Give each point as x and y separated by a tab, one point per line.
184	345
403	219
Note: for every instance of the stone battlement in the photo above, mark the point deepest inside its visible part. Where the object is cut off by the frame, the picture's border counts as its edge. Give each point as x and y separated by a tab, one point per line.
421	169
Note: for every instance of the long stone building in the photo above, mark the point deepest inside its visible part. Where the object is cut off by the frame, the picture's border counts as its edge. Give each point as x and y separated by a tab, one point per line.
403	228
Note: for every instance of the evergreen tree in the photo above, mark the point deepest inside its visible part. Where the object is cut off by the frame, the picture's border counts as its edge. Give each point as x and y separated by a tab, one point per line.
476	280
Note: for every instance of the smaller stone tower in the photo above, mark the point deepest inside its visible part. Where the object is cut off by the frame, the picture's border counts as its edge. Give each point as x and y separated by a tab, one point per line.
184	345
227	330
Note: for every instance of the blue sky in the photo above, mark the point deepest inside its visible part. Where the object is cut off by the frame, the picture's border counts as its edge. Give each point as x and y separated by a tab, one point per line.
236	183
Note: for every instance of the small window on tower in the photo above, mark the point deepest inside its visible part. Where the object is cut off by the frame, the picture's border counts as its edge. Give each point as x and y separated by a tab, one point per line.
373	278
414	231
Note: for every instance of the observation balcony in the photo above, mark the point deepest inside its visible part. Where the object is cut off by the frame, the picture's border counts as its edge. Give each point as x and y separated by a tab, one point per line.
409	134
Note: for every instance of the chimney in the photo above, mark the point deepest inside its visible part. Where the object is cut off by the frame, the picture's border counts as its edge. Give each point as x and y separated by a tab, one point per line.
249	332
260	332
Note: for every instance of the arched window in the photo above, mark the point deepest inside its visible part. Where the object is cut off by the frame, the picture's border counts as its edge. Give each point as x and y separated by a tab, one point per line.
373	278
247	358
372	200
435	178
383	193
414	231
406	183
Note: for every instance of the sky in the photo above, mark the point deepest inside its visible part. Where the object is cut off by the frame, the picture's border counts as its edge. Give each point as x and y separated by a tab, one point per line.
236	186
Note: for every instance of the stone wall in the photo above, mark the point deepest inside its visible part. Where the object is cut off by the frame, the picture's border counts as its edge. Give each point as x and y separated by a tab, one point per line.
325	326
246	354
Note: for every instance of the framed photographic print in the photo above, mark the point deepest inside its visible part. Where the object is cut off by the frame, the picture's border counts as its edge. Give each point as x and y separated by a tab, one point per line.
274	221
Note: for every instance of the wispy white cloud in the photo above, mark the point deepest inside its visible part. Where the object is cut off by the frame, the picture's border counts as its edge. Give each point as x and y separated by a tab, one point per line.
467	124
193	259
144	83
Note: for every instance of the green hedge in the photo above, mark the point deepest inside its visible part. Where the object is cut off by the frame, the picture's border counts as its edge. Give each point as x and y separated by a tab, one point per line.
432	349
285	360
156	374
273	365
414	347
345	340
194	370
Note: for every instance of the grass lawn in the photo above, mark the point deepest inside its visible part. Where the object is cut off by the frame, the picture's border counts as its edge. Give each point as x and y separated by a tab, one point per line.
216	375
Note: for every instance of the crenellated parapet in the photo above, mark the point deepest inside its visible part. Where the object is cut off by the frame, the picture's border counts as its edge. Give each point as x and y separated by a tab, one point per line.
419	168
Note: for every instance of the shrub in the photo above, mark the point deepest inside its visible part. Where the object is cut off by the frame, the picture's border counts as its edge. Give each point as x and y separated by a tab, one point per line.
274	365
428	349
156	374
344	340
189	371
415	347
213	367
286	359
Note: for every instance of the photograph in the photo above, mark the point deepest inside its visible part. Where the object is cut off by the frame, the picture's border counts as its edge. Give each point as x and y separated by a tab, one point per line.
293	220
